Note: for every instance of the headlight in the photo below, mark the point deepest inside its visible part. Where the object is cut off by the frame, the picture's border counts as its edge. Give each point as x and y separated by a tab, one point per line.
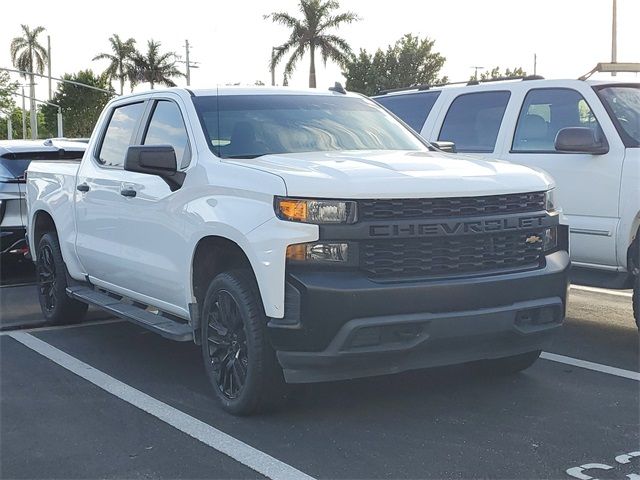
315	211
550	200
321	252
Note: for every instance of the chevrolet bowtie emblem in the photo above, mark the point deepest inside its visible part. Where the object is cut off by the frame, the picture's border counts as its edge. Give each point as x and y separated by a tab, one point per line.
533	239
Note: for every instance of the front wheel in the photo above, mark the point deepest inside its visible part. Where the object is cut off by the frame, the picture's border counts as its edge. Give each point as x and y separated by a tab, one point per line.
636	300
238	358
57	308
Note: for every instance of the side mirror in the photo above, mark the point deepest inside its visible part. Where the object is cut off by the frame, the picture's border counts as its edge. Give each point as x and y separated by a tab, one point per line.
157	160
447	147
580	140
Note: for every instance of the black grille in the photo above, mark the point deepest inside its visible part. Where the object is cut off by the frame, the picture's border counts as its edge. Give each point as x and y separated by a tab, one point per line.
451	256
450	207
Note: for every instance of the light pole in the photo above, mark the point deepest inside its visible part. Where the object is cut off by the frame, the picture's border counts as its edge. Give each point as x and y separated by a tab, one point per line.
9	124
24	116
273	64
614	35
49	62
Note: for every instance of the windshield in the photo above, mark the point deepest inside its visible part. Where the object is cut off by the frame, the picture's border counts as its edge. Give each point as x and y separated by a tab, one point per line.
624	108
248	126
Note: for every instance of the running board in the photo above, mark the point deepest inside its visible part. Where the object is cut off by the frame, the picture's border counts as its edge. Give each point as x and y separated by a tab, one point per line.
166	327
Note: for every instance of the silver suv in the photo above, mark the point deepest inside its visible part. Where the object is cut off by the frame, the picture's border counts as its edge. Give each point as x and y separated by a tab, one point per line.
15	156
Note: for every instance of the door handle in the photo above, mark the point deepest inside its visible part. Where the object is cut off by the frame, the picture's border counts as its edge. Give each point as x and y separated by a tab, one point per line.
83	187
127	192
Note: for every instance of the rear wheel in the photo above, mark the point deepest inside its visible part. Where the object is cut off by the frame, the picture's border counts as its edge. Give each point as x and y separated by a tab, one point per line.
238	357
636	300
56	306
513	364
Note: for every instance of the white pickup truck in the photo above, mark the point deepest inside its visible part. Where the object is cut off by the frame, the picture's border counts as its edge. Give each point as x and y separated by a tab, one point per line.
298	236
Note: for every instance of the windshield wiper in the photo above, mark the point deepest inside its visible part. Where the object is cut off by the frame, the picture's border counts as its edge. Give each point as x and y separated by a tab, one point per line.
247	157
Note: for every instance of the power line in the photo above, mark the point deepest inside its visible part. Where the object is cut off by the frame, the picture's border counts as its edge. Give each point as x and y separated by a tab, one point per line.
91	87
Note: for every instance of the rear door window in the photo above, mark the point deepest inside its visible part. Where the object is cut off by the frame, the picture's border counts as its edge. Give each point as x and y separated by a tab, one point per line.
473	121
412	108
544	112
119	134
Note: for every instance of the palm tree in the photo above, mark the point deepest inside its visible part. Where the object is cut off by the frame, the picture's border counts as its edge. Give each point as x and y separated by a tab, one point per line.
29	56
310	32
156	67
121	60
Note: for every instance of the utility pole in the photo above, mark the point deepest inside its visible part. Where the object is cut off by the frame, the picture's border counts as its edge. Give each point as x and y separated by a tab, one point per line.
24	117
186	47
475	76
188	63
9	127
535	64
49	62
614	36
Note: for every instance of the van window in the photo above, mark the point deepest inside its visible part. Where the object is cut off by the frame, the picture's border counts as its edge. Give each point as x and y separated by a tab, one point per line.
120	130
544	112
412	108
473	121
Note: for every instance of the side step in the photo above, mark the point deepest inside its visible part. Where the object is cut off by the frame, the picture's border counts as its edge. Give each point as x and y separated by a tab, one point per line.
156	323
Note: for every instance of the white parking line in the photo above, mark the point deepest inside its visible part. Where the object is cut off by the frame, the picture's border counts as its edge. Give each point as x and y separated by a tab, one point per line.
606	291
598	367
63	327
247	455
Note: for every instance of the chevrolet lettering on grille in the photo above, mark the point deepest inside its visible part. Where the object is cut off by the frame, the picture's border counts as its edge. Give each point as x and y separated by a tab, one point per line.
456	227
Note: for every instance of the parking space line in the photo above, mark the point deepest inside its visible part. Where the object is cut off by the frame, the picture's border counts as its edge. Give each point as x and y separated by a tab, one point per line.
62	327
249	456
606	291
598	367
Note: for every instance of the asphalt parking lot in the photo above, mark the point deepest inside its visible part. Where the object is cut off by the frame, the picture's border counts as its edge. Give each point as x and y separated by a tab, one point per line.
106	399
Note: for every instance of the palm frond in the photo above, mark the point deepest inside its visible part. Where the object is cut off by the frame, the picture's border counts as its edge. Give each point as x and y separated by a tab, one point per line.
293	59
285	19
338	20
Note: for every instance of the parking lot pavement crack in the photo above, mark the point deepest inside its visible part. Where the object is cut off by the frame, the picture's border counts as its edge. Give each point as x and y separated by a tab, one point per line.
249	456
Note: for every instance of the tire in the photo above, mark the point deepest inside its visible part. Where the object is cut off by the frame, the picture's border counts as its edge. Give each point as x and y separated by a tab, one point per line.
636	300
514	364
238	358
51	273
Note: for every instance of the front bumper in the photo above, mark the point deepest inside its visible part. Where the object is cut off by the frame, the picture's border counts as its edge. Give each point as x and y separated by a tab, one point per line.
341	325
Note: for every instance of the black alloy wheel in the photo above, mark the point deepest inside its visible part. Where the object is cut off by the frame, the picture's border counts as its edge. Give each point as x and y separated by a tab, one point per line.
238	357
227	344
51	273
46	270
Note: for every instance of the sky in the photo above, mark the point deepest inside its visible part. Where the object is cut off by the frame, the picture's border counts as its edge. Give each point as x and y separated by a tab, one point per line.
232	41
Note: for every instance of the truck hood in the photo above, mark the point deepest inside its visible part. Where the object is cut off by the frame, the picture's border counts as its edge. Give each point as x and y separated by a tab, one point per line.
396	174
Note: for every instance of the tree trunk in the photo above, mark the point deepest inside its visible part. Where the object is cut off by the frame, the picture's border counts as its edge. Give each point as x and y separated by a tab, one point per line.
32	112
312	67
